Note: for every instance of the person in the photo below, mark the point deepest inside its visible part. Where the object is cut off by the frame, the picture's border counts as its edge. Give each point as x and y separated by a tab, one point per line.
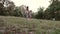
30	14
27	12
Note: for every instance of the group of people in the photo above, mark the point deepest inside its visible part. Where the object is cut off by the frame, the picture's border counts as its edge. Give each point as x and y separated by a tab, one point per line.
28	13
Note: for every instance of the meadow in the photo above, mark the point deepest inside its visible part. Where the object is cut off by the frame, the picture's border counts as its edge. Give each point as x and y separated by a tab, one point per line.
10	25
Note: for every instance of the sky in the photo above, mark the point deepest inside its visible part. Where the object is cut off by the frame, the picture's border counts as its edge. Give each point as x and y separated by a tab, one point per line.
33	4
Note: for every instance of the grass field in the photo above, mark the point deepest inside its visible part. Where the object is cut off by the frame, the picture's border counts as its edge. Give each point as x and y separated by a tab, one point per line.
37	26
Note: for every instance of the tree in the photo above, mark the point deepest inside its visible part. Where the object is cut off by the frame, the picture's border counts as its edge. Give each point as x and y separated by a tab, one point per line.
17	12
39	15
6	7
10	7
1	6
53	10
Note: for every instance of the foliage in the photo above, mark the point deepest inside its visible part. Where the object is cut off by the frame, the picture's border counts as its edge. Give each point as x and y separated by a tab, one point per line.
53	11
8	8
18	12
40	13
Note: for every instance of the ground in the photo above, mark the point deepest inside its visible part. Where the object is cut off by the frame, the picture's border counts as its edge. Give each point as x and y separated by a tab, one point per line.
10	25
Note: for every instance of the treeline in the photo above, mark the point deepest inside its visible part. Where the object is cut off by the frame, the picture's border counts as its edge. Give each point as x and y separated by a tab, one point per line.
8	8
51	13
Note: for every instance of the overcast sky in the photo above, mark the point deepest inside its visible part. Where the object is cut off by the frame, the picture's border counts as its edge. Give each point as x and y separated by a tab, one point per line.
33	4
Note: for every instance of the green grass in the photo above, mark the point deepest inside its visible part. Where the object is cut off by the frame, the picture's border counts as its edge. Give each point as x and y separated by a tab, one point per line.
39	26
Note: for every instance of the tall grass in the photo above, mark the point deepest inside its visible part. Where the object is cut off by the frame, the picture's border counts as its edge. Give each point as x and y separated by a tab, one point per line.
37	26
